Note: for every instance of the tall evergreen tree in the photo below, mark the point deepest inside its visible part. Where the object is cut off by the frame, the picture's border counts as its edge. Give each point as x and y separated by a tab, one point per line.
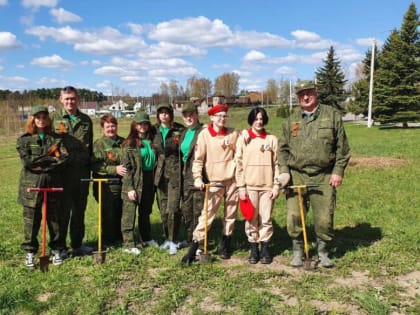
330	81
397	84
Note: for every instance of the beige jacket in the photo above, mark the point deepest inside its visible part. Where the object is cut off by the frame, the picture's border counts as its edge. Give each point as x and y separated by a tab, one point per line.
256	163
216	155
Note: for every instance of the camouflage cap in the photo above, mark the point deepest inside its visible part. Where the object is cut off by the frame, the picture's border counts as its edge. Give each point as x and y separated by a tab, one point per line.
189	107
141	116
304	85
164	106
38	109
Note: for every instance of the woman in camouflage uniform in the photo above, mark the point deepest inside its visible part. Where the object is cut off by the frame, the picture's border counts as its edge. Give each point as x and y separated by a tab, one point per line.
167	177
107	163
43	157
138	190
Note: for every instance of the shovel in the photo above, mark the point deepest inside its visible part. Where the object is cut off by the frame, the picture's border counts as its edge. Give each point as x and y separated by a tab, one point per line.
205	256
308	265
44	260
99	255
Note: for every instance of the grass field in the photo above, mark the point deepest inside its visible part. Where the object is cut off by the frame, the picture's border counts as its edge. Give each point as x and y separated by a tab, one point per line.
376	254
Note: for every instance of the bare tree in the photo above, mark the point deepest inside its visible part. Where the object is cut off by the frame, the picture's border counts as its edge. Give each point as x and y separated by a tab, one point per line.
227	84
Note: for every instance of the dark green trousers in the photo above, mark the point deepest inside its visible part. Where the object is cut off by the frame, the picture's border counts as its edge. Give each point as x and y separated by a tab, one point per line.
168	198
321	200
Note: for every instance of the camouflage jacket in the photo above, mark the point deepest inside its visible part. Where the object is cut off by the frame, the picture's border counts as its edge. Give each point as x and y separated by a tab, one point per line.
80	129
43	162
186	170
107	155
168	156
314	145
133	179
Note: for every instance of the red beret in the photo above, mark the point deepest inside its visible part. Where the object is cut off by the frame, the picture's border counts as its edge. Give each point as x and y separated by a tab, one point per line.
217	108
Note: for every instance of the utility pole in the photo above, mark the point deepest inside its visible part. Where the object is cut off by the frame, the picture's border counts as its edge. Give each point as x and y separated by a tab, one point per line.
290	95
372	64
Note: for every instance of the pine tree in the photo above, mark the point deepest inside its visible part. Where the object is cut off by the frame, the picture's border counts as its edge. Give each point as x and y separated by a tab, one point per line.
330	81
397	84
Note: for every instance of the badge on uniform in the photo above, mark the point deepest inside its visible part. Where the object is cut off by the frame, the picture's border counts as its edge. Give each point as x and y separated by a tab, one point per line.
265	147
226	143
110	156
295	129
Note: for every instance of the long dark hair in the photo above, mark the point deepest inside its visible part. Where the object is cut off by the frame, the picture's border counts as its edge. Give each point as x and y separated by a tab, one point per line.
133	139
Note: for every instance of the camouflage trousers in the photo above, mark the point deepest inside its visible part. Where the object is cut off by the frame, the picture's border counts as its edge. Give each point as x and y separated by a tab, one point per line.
191	206
144	206
321	200
72	212
168	197
32	218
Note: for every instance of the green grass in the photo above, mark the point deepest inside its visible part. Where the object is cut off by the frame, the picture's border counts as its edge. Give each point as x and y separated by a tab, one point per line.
376	254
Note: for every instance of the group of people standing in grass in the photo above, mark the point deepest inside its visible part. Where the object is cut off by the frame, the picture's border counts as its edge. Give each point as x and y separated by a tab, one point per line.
190	169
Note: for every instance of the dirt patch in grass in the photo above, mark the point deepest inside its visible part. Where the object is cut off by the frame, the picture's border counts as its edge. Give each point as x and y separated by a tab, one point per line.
44	297
410	283
335	307
377	161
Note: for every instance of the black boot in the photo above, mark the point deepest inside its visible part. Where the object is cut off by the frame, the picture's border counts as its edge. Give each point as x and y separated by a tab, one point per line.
190	256
255	254
265	254
225	248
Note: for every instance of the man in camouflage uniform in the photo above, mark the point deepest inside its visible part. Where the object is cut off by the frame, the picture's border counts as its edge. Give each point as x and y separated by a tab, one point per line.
77	126
313	148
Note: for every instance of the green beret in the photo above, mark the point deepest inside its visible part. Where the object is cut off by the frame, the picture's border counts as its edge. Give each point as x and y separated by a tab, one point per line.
141	116
304	85
38	109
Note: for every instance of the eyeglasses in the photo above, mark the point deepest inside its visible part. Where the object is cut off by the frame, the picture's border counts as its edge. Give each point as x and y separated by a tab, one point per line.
221	116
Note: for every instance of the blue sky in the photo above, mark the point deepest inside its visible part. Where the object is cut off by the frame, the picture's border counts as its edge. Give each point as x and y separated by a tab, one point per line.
133	45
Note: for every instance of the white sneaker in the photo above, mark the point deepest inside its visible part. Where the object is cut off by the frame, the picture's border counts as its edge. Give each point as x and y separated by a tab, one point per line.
133	250
57	260
30	260
151	243
165	245
172	248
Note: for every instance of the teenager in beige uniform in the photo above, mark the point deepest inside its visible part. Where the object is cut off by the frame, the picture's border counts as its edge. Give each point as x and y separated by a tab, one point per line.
257	176
214	153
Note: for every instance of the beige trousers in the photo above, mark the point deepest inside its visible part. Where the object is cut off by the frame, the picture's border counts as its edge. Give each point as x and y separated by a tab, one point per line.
229	194
260	227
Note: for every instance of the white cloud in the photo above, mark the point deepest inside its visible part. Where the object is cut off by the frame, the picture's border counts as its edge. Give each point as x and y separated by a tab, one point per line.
111	71
254	55
285	70
310	40
165	50
8	41
13	83
3	2
54	61
48	81
135	28
199	31
62	16
38	3
105	41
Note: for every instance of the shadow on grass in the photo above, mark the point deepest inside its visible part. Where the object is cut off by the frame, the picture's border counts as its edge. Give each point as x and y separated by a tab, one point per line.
353	237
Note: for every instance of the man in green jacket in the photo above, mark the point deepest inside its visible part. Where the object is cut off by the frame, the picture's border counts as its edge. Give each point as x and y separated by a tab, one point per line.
313	149
77	127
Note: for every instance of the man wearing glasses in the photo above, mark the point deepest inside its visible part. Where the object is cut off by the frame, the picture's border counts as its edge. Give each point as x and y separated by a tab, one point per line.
78	132
214	154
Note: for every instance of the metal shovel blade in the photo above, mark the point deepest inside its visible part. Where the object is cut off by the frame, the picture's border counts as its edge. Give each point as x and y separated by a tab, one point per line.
44	261
309	265
99	257
205	258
